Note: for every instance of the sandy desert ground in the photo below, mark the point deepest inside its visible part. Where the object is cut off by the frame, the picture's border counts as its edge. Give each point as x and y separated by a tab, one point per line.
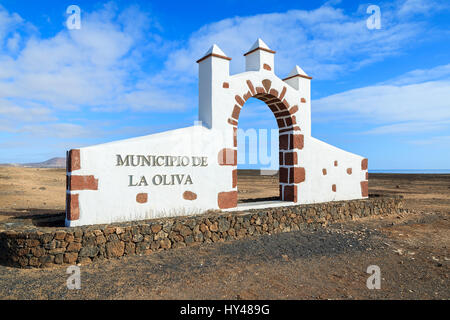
412	251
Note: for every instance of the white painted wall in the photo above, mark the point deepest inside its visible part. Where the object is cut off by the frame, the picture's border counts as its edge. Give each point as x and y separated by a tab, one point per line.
115	201
318	155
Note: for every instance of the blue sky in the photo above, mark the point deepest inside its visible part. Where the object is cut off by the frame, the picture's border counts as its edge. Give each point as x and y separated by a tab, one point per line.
130	70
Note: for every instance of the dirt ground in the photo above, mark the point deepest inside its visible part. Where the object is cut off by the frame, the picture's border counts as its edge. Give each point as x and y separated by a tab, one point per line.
412	251
30	190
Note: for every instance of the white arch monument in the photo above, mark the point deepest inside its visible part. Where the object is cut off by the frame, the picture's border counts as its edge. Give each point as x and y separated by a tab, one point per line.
191	170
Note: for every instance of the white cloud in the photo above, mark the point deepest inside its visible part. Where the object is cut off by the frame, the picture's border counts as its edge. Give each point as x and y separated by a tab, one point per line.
421	75
99	66
7	22
388	103
410	127
425	7
94	67
437	140
13	42
412	103
58	130
17	113
326	41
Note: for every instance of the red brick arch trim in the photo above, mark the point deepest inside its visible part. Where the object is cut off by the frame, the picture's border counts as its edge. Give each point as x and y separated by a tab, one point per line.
227	157
226	200
365	188
72	207
364	164
281	109
289	193
291	139
78	183
251	87
292	175
73	161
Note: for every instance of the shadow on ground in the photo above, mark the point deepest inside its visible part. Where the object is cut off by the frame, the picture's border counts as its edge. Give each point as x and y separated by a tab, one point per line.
32	216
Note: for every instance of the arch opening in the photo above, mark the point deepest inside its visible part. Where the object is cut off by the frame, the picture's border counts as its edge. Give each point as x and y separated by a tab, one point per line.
257	151
289	174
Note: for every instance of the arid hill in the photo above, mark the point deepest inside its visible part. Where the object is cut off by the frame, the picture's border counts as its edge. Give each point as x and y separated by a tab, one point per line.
51	163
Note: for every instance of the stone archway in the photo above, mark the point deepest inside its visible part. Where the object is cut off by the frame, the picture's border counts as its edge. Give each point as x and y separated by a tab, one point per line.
289	142
311	170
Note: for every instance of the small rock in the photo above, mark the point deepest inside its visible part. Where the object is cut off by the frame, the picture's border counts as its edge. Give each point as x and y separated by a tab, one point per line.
115	249
165	243
156	228
70	257
214	227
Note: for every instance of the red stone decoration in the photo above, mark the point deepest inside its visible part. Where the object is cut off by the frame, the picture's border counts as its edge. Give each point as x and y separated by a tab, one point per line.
227	200
227	157
364	164
77	183
188	195
267	67
290	193
142	197
365	188
297	175
73	207
73	160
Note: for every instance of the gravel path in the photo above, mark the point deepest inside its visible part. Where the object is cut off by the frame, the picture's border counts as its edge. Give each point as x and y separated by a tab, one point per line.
320	263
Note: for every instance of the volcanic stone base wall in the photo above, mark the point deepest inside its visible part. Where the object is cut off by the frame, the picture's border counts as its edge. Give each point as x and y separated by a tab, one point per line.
41	247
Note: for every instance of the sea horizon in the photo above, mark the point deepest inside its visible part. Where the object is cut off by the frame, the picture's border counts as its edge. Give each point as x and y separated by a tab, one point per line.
399	171
411	171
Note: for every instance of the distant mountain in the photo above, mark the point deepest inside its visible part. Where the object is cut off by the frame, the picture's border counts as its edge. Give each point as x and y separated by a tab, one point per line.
51	163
